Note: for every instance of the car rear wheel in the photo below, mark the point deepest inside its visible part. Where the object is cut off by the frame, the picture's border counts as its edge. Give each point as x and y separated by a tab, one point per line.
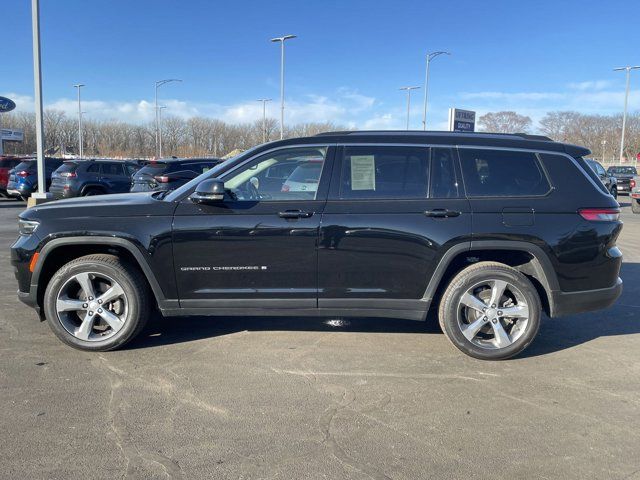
90	192
614	192
96	302
490	311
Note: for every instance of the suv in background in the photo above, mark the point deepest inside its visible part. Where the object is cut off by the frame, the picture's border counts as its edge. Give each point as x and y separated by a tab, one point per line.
623	174
80	178
608	180
23	179
162	175
487	230
7	163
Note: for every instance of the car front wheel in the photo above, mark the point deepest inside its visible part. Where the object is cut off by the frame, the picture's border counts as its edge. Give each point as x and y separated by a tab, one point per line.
96	302
490	311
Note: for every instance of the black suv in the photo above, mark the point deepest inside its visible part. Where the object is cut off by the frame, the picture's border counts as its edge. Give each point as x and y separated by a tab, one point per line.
170	174
488	230
623	174
609	181
81	178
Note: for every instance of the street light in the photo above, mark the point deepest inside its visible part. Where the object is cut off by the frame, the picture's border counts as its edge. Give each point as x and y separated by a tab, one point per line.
159	83
604	144
282	40
430	56
160	108
626	98
264	117
408	90
79	86
37	84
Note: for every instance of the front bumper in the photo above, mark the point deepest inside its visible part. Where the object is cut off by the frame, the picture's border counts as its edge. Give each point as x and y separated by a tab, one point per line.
569	303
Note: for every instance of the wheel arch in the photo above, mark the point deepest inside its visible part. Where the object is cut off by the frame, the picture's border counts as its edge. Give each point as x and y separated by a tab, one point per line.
526	257
59	251
93	185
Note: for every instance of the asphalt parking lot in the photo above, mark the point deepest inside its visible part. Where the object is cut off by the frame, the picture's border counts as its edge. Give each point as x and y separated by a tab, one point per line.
299	398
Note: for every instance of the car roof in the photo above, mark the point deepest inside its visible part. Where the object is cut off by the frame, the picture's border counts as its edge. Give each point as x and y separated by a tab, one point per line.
182	160
500	140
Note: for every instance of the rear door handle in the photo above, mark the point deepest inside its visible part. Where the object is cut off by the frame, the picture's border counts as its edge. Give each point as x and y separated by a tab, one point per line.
441	213
295	214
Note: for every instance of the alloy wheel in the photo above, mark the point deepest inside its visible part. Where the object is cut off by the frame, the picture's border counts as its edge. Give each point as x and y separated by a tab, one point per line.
493	314
91	306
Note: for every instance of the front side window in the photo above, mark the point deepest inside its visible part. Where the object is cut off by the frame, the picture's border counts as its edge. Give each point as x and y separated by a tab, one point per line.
256	180
93	168
497	173
370	172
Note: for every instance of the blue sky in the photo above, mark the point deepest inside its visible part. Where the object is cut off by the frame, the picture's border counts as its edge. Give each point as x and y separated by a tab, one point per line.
346	65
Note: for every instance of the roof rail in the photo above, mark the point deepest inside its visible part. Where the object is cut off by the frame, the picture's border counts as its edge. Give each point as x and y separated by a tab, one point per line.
525	136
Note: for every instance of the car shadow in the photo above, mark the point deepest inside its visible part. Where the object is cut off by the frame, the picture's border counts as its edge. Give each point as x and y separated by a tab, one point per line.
623	318
10	203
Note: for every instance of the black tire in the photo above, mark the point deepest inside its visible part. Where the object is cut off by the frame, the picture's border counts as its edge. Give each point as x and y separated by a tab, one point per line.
635	206
614	192
449	310
135	291
90	192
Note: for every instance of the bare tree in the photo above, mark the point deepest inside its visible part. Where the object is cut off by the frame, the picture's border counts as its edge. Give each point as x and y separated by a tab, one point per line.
504	122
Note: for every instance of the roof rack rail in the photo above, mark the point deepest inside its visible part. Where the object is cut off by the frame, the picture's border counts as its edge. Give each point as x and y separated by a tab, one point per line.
525	136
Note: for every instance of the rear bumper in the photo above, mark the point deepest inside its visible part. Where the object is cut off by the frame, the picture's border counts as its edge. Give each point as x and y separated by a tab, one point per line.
568	303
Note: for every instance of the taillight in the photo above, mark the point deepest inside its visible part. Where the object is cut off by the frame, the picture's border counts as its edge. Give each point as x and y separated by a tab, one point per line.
285	188
632	183
162	179
69	174
22	173
600	214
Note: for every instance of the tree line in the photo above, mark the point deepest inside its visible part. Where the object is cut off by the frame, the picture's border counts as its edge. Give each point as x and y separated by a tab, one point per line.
572	127
193	137
199	136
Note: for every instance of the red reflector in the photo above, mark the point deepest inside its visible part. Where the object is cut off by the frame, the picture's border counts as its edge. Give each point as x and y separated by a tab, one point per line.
23	173
34	260
632	183
161	179
600	214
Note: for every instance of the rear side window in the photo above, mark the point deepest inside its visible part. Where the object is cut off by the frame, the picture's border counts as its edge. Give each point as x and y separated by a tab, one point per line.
444	183
67	167
502	173
131	169
93	168
112	169
384	172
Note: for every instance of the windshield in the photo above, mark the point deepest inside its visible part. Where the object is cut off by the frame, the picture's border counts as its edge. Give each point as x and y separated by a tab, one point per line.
152	169
623	170
213	173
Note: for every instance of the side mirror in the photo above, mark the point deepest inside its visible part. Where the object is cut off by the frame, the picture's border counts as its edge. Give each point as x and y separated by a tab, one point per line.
208	191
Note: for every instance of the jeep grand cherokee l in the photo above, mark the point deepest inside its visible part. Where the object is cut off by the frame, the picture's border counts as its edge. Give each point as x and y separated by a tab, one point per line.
488	230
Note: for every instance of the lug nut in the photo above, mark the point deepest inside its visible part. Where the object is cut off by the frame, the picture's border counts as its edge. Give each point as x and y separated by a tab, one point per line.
484	318
90	313
494	320
99	301
99	310
90	298
499	312
84	305
493	306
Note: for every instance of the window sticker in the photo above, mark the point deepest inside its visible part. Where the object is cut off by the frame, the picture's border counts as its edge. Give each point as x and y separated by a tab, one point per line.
363	172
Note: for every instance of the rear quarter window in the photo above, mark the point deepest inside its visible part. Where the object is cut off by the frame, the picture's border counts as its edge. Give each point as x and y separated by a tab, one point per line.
502	173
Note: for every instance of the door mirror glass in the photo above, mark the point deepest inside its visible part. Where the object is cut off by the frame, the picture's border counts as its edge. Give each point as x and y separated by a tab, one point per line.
209	191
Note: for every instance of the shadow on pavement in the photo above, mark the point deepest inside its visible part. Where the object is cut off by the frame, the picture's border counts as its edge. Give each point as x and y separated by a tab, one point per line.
555	334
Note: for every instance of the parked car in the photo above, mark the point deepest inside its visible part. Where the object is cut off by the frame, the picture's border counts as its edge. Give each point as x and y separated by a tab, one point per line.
23	179
489	230
169	174
7	163
623	175
609	181
81	178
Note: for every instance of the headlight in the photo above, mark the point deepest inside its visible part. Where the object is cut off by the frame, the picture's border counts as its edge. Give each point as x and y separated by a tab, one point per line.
27	227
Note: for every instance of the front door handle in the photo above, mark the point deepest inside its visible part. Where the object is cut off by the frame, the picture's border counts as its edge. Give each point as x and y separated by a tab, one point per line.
295	214
441	213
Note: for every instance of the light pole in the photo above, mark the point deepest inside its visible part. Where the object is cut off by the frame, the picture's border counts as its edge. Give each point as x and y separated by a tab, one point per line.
282	40
626	98
37	83
604	144
160	108
159	83
264	118
430	56
79	86
408	90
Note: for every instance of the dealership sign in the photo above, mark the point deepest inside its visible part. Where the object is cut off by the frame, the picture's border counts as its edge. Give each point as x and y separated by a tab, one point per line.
12	135
461	120
6	104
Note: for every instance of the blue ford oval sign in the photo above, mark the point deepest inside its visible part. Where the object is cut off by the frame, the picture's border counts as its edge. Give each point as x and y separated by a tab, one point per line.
6	104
